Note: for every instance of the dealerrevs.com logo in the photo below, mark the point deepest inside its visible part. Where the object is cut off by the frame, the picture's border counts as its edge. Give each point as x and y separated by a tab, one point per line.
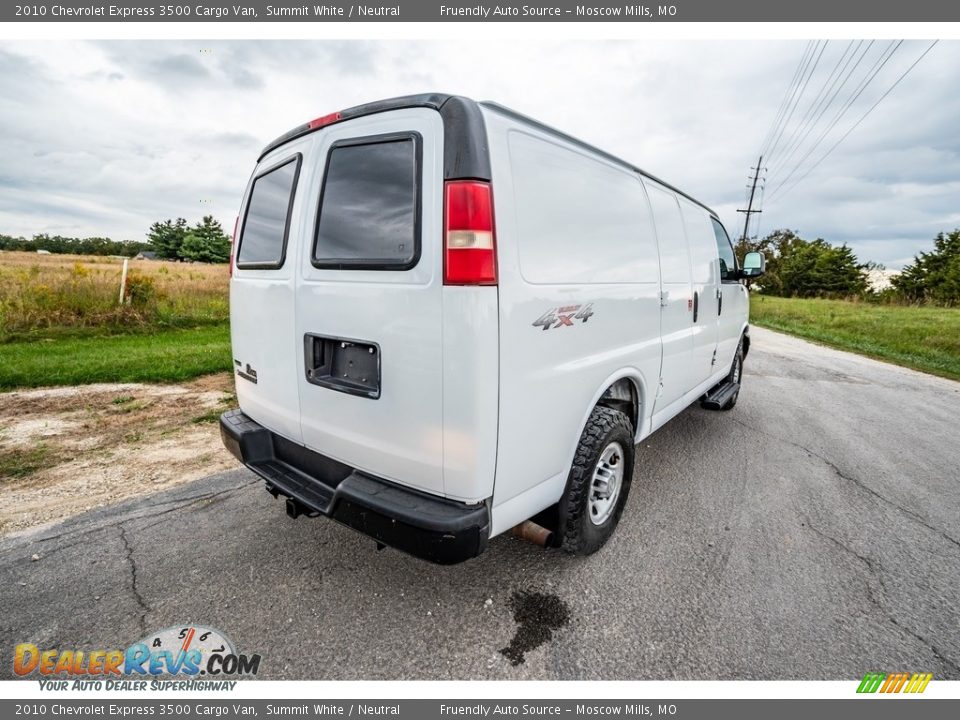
185	651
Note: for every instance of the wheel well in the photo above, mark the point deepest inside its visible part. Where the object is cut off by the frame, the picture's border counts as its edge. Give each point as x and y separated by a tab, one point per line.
623	396
746	344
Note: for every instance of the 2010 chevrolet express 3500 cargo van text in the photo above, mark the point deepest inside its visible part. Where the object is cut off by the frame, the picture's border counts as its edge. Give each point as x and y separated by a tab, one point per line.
448	319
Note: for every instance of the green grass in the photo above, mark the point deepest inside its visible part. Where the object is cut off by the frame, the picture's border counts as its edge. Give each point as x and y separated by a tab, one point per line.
170	355
922	338
18	462
211	416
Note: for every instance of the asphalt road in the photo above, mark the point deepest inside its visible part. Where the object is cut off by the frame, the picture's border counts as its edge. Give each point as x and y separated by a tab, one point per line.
811	533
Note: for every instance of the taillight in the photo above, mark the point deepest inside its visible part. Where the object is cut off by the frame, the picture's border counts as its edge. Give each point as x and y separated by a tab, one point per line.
469	249
233	243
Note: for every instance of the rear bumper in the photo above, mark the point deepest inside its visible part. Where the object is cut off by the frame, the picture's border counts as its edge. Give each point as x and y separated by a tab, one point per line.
428	527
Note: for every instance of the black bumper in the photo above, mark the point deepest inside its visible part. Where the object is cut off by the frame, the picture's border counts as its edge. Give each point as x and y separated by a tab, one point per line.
438	530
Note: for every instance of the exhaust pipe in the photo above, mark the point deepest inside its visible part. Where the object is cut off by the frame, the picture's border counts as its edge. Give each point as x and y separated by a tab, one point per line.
530	531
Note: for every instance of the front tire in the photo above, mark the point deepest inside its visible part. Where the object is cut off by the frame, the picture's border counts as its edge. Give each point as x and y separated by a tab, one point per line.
599	482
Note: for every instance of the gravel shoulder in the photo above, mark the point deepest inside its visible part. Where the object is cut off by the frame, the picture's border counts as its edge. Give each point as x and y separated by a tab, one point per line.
65	450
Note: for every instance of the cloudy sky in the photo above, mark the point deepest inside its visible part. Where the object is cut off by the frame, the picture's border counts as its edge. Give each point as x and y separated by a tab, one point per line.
103	138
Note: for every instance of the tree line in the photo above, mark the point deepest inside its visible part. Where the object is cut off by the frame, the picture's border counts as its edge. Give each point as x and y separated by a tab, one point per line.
816	268
795	267
72	245
170	240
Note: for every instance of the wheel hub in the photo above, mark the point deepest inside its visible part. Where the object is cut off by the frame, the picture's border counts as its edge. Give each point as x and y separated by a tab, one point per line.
606	483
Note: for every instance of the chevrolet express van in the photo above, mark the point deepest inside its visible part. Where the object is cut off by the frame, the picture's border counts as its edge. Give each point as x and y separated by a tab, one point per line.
449	319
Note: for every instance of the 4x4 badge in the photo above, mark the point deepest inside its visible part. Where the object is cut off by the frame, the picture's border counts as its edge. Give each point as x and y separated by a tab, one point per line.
564	316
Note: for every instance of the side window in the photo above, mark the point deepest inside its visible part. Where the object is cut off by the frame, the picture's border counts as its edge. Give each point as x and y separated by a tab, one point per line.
728	261
369	216
266	224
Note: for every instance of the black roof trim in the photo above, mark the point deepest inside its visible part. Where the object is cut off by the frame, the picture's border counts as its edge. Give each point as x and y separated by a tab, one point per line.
586	146
465	137
466	152
429	100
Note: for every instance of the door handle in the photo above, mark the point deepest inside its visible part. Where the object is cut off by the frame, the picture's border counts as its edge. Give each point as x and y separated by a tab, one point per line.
696	304
719	301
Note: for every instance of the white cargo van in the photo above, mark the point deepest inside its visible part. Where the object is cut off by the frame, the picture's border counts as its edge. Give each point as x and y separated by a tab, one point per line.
448	319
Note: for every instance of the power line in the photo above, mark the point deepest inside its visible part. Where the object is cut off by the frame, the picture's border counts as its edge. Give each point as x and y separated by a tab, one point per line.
864	83
823	102
815	102
799	96
774	126
862	117
801	72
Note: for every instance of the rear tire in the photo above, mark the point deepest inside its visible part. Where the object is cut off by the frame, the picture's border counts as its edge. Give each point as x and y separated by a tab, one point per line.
598	484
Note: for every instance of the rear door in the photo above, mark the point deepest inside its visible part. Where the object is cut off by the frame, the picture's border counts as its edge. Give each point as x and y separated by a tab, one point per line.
262	291
368	318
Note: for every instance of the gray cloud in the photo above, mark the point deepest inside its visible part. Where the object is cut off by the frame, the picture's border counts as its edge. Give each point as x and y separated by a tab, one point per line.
103	138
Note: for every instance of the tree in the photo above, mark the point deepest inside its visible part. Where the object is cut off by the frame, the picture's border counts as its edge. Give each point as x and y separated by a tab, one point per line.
167	238
775	246
72	245
933	276
805	268
206	242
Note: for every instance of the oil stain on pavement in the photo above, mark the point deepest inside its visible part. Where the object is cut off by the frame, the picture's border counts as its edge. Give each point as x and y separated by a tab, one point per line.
537	616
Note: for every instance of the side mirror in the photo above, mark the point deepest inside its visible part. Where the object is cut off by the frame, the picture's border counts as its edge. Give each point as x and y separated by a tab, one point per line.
754	265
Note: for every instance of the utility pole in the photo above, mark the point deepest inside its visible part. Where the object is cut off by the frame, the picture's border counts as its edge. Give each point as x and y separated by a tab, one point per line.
753	191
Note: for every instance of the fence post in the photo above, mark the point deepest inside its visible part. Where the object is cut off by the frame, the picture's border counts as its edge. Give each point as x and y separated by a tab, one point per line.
123	280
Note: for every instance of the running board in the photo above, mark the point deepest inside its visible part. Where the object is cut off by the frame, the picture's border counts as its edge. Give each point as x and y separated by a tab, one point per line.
717	398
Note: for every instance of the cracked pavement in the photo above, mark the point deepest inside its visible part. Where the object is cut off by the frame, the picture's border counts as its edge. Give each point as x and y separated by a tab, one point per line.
811	533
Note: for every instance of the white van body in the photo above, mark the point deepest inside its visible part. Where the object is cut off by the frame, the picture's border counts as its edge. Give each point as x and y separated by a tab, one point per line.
432	410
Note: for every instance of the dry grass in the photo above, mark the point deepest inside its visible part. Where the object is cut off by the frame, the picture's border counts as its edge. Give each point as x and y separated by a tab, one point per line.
40	293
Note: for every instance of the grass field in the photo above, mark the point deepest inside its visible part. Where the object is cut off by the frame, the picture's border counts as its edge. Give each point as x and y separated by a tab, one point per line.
165	355
922	338
61	322
41	295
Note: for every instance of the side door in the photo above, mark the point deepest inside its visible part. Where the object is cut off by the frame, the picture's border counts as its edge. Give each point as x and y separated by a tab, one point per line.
677	375
733	299
706	289
262	291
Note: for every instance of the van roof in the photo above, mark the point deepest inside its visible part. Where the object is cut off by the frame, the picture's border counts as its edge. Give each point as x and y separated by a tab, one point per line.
520	117
463	129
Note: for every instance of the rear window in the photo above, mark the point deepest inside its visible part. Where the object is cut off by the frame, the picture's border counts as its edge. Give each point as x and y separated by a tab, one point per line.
263	240
369	215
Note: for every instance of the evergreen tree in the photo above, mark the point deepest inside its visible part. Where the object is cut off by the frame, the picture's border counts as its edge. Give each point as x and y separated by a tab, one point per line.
805	268
206	242
933	276
167	238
